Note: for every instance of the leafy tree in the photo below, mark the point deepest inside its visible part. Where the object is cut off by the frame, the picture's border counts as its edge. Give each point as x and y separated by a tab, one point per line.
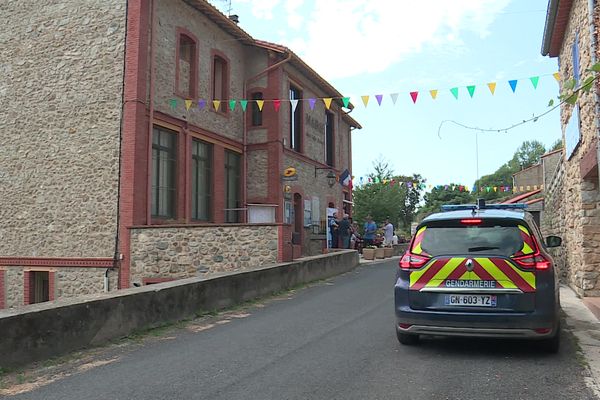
388	195
529	153
556	145
439	196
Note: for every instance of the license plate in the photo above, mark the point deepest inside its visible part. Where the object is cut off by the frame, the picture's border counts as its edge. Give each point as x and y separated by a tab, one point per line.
470	300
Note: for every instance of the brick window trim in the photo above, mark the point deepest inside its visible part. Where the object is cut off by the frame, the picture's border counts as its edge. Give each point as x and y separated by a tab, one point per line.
194	67
27	277
224	106
2	289
251	105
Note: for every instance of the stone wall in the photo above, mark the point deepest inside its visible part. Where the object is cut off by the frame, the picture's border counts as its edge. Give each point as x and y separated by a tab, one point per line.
174	14
581	198
184	252
553	218
258	173
60	93
68	282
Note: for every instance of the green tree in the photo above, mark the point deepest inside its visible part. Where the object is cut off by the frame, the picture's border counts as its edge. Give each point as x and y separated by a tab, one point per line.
556	145
529	153
388	195
444	195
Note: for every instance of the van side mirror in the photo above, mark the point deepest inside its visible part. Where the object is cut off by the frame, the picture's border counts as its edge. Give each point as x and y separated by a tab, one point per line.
553	241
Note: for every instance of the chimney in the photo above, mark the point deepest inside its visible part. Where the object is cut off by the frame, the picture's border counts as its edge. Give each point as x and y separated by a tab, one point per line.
235	18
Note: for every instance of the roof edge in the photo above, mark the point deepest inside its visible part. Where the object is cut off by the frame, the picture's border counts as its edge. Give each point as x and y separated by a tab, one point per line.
549	25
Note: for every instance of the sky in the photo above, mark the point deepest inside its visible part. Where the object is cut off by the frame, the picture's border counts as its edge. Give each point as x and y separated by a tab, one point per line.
400	46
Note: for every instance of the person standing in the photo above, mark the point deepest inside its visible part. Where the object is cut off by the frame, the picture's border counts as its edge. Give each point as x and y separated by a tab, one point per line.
344	229
388	233
334	229
370	229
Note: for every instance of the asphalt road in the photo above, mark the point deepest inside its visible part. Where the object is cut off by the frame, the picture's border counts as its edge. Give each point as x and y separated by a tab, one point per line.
333	340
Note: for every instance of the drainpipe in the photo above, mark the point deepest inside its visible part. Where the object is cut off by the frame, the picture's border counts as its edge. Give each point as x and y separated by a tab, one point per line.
245	124
106	287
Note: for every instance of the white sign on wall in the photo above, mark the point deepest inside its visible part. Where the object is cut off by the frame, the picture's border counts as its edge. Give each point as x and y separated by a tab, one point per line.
572	133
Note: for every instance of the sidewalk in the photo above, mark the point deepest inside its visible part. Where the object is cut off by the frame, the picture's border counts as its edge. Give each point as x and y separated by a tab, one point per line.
586	328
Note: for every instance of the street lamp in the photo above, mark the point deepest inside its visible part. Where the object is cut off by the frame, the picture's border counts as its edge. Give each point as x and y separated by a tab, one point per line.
331	178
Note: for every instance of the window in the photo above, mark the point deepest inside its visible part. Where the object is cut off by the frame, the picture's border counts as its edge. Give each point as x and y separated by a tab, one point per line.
186	67
329	150
575	55
296	120
220	80
39	286
201	182
256	113
164	164
232	186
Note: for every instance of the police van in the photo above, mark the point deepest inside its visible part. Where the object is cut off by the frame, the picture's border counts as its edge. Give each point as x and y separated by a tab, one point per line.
479	270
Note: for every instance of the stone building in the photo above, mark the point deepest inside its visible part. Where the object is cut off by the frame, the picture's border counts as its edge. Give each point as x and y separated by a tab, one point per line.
126	161
572	196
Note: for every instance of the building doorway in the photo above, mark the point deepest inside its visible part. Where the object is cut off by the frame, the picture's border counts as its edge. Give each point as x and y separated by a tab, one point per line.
298	220
39	286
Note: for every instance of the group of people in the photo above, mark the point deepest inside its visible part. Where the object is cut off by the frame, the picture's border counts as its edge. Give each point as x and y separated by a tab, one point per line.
345	233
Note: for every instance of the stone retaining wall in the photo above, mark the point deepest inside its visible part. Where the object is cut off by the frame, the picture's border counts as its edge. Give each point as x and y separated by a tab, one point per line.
184	252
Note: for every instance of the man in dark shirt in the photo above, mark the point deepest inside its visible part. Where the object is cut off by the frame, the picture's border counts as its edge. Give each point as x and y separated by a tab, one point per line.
344	231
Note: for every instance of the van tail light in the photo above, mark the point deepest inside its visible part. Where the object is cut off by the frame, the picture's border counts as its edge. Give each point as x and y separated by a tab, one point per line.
412	261
471	221
533	261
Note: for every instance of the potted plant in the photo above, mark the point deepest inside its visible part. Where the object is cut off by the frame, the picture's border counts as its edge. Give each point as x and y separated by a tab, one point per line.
379	252
388	251
369	252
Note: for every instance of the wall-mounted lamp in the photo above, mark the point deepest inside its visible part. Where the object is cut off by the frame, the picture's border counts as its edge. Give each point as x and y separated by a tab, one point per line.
331	178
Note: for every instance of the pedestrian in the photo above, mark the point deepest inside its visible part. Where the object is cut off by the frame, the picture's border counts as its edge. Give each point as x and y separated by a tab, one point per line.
388	232
334	229
370	229
344	232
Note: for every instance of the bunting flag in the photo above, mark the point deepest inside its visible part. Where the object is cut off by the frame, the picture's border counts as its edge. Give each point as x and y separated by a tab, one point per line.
471	90
188	104
394	97
327	102
454	92
294	104
173	103
311	103
232	105
492	87
513	84
216	104
433	93
260	104
244	104
534	81
414	96
276	104
379	98
556	76
201	104
365	100
346	101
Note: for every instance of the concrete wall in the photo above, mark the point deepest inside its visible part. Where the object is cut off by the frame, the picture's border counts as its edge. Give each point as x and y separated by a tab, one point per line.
184	252
53	329
60	93
528	178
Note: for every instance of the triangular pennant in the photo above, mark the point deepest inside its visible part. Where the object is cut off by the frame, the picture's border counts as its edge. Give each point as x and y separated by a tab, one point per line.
471	89
534	81
201	103
311	103
173	103
327	102
365	100
260	104
379	98
556	76
216	104
188	104
492	87
346	101
276	104
413	96
513	84
394	97
454	92
232	104
433	93
294	103
244	104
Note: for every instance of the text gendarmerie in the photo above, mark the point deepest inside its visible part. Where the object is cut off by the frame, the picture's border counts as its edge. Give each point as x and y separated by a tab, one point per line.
456	283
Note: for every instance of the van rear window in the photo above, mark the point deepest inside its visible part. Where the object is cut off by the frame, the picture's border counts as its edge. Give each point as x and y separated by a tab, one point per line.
489	239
